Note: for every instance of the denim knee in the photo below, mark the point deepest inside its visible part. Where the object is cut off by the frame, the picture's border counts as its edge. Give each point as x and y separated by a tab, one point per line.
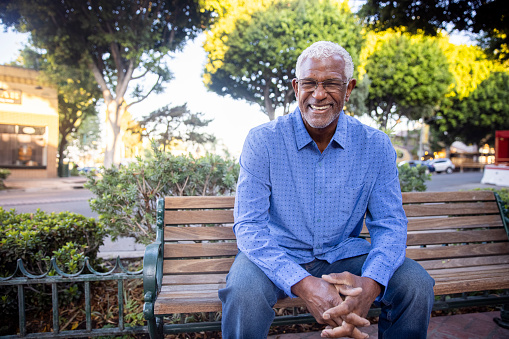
247	301
407	303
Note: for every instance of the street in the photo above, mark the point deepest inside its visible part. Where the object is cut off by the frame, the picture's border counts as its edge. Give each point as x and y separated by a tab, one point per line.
456	181
75	200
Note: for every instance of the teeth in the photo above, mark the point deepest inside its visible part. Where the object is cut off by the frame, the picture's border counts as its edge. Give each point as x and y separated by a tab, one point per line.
320	108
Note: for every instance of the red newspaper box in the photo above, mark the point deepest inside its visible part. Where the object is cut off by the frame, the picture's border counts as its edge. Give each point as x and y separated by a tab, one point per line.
501	147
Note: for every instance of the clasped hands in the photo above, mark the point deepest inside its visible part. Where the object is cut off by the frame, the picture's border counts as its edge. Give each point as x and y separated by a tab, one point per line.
324	302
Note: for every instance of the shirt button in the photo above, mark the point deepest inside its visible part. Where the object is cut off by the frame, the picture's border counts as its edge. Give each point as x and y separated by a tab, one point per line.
319	192
318	220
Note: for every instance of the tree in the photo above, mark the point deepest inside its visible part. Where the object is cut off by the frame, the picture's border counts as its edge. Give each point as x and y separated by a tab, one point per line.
120	41
470	67
253	56
488	19
409	77
475	117
77	94
175	123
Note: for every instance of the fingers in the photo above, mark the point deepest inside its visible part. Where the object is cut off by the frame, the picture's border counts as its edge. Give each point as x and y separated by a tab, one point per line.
344	313
345	330
344	283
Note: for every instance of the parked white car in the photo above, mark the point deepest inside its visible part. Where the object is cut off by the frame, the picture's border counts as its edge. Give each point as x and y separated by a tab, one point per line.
442	165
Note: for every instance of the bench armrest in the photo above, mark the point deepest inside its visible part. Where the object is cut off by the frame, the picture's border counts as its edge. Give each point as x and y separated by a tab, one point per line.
152	276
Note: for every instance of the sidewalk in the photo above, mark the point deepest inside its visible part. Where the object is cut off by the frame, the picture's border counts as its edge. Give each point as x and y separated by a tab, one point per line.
41	184
464	326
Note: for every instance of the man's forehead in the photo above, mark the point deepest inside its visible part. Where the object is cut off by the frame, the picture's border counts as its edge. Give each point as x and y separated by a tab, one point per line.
331	64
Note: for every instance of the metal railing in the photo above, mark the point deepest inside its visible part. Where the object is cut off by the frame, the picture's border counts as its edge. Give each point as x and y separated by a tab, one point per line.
118	273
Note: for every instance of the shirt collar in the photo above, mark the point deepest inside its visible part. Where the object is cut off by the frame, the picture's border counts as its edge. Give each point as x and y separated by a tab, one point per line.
302	137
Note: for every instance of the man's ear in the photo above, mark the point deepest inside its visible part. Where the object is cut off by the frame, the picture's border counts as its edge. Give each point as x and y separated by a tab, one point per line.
295	86
349	89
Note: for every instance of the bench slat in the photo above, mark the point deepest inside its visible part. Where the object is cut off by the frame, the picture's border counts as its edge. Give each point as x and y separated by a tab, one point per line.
454	222
462	262
460	251
486	283
468	272
427	197
190	279
451	209
187	287
219	249
197	266
198	217
454	237
199	202
173	233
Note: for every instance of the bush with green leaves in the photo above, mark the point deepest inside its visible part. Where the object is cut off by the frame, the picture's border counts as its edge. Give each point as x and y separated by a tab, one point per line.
126	196
4	173
35	238
413	178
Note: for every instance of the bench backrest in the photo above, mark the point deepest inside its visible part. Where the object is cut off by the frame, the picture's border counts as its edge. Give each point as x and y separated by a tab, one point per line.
445	230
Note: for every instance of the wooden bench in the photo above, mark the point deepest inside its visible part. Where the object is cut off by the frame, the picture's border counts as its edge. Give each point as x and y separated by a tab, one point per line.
461	238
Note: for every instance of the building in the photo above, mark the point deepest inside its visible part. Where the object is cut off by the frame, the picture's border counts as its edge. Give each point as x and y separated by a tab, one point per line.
28	124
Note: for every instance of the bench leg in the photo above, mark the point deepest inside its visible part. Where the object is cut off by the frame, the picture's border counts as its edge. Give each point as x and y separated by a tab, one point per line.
155	327
503	321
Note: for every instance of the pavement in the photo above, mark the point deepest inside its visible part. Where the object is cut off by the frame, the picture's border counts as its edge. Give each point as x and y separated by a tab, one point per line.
471	325
461	326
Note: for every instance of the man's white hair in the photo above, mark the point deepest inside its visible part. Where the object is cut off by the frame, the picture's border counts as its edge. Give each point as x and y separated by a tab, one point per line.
325	49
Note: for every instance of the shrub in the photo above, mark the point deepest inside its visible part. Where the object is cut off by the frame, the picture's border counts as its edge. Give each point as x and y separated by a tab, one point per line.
413	178
126	196
4	173
35	238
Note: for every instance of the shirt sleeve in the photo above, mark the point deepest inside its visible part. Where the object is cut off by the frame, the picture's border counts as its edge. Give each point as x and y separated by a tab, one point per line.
251	213
386	221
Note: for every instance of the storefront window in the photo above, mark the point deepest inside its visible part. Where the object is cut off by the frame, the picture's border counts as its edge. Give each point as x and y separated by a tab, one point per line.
23	146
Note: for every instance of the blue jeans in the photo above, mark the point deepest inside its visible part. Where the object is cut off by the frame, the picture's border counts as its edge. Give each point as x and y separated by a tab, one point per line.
249	296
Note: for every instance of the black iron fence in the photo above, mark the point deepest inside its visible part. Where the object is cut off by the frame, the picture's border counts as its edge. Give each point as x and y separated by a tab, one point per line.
21	279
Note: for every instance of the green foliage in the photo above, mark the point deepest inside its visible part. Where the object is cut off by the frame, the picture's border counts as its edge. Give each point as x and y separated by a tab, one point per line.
488	19
126	196
413	178
409	77
36	238
4	173
175	123
255	60
476	117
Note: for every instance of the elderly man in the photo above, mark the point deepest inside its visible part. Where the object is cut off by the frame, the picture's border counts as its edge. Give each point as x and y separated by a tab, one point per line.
308	181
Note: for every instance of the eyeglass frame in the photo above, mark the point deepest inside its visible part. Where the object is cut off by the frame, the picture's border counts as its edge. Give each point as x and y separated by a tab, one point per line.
322	82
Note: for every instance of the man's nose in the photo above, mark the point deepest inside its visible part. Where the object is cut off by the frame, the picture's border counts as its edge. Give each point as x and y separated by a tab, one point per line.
319	92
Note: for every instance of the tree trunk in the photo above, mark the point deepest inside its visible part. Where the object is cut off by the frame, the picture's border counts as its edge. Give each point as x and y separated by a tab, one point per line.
61	149
271	111
113	115
114	111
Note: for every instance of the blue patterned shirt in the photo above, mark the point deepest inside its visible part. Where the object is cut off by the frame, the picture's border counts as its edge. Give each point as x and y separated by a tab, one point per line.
294	204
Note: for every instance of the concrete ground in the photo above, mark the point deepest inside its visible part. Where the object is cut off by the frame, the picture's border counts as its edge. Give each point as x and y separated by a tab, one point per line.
464	326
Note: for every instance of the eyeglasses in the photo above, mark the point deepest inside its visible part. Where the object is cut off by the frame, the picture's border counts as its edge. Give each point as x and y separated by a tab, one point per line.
329	85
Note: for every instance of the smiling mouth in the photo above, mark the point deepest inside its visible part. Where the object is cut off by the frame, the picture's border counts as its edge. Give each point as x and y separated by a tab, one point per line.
319	108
